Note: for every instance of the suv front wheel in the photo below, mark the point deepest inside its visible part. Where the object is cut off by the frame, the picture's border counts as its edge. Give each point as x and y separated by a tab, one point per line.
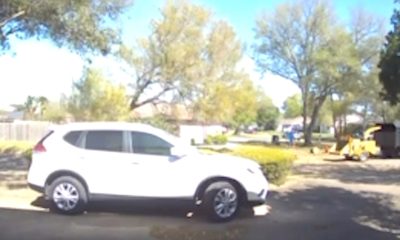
221	201
68	195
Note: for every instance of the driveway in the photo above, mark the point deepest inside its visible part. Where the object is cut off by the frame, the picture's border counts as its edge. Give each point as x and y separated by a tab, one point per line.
324	199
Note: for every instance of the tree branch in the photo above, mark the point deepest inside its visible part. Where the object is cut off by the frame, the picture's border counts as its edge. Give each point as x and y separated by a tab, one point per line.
12	17
135	105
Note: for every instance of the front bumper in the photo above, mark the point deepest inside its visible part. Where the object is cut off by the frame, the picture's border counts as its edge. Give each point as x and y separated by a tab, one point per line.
254	199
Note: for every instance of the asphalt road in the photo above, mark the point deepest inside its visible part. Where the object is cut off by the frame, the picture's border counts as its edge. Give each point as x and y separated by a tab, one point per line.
311	213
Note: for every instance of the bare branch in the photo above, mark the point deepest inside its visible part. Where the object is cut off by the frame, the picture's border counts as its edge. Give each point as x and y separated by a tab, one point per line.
12	17
135	105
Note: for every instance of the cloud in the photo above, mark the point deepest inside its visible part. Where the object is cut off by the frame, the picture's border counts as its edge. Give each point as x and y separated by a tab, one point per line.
38	69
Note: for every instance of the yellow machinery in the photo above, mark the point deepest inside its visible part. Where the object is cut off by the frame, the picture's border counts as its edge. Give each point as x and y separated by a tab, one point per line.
359	148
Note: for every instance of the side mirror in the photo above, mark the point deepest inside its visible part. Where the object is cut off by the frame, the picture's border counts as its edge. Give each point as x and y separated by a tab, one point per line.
177	152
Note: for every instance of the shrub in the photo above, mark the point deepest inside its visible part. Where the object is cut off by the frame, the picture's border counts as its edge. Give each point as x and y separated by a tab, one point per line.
23	148
276	163
219	139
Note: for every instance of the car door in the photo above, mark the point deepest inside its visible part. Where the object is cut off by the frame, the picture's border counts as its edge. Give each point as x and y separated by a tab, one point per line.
158	170
108	163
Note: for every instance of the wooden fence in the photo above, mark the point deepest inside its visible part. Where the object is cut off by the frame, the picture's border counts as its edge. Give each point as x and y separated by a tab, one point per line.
23	131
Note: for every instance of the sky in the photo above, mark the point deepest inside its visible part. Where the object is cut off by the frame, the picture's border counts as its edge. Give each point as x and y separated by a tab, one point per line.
39	68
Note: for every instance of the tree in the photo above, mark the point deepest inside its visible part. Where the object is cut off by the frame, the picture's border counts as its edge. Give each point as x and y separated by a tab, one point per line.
188	57
293	106
79	25
94	98
243	102
235	105
302	42
55	112
390	61
33	108
267	114
360	93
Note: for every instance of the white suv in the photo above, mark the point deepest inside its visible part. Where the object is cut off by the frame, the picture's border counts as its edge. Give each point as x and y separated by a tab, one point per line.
75	163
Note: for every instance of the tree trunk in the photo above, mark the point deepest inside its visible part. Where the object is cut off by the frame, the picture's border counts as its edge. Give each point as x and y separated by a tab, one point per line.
315	111
365	116
345	130
305	112
336	130
335	127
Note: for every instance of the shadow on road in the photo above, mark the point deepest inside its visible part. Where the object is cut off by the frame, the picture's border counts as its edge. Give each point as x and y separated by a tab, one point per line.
314	213
334	213
145	207
352	171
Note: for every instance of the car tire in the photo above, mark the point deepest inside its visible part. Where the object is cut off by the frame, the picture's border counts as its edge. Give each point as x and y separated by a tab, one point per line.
67	195
221	202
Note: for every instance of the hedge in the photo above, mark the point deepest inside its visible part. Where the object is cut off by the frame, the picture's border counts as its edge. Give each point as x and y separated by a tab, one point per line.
23	148
219	139
276	163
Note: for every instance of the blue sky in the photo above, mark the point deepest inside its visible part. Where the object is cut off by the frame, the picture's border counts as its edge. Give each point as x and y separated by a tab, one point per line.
39	68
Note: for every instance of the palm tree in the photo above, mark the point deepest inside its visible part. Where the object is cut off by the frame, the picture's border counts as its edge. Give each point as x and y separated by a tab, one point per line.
33	107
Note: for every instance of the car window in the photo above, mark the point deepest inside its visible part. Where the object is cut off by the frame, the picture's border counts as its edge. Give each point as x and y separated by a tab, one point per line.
72	137
104	141
145	143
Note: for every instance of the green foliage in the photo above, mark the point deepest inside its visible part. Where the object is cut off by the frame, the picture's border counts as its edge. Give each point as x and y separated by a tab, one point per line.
191	57
289	46
390	61
23	148
267	114
79	25
303	42
293	106
55	112
219	139
276	163
96	99
242	102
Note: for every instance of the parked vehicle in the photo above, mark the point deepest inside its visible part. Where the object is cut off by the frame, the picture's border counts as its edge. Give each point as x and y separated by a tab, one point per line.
79	162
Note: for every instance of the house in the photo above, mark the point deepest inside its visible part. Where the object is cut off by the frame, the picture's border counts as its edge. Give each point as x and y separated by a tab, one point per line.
289	123
197	133
11	116
190	130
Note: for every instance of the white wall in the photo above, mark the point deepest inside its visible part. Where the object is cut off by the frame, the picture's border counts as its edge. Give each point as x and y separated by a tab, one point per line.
199	132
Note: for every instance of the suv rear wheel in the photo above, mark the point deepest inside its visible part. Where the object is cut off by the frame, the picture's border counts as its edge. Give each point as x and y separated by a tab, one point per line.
221	201
68	195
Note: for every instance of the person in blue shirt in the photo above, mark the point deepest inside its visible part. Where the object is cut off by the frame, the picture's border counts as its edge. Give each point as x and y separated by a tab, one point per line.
291	137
